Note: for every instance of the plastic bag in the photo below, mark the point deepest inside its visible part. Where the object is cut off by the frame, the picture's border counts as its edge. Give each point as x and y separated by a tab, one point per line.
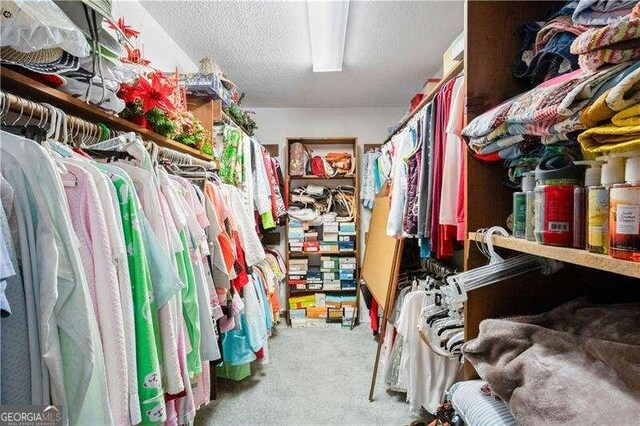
32	25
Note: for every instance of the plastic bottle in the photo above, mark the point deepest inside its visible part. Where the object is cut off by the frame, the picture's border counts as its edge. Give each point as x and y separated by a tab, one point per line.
592	213
612	172
528	187
624	213
519	214
554	194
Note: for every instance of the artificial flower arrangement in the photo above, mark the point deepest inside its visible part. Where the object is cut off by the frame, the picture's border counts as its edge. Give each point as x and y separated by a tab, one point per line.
149	103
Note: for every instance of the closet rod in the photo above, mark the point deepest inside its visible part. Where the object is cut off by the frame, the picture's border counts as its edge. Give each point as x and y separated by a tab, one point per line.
453	73
38	113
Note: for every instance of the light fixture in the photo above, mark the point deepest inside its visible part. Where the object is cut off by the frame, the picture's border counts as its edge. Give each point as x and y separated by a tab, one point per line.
327	30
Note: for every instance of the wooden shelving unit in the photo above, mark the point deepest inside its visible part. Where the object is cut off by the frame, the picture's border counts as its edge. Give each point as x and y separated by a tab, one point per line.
21	85
490	51
348	144
568	255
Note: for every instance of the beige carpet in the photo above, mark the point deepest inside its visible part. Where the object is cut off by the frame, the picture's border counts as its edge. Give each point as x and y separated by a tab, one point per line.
314	377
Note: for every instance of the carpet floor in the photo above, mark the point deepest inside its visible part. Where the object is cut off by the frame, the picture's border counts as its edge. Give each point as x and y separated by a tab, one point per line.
314	377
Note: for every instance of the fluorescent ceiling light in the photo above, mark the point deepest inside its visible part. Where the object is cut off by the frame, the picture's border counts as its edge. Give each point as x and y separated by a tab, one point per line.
328	30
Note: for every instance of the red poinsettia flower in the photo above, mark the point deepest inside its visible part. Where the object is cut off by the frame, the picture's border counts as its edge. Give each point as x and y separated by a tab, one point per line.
154	94
126	29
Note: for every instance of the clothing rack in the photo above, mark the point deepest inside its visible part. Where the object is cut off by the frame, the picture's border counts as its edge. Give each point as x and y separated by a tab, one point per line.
39	112
86	131
453	73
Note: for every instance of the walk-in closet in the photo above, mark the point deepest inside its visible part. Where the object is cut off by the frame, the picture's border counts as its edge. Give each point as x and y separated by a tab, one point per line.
320	212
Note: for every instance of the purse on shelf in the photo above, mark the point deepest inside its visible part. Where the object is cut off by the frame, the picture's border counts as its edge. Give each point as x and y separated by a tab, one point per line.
319	167
299	155
341	162
343	202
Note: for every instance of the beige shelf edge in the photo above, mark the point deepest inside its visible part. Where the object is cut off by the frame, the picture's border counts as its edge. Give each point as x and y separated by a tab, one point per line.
568	255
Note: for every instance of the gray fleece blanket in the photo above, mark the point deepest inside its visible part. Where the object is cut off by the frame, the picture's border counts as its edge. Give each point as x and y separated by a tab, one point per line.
578	364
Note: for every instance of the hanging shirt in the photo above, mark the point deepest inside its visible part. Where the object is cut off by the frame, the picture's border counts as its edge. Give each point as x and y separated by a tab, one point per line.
403	146
69	337
150	390
88	219
451	165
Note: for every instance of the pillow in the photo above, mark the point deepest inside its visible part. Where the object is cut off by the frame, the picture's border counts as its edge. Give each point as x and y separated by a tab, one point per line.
478	409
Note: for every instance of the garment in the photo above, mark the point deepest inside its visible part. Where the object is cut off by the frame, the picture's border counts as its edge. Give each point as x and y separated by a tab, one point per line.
150	390
69	337
410	213
425	374
425	186
403	144
253	250
89	222
232	159
21	369
111	208
441	237
451	164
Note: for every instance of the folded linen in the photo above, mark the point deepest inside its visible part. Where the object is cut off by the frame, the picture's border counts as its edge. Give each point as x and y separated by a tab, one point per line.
616	43
601	12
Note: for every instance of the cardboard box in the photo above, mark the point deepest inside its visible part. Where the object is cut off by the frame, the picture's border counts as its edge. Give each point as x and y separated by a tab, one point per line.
348	302
329	264
297	313
329	236
317	312
344	275
333	302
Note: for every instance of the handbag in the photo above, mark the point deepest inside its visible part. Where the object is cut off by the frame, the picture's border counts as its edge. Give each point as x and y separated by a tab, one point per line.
343	202
341	162
318	166
299	153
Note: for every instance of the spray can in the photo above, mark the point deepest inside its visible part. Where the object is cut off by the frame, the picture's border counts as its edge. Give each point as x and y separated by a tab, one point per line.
554	203
624	213
591	215
528	187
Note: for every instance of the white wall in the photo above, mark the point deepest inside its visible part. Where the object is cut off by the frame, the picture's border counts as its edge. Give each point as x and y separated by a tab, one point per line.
154	42
369	125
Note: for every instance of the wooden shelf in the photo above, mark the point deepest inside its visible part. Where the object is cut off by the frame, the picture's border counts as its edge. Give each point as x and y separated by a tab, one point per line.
568	255
21	85
453	72
296	291
349	177
322	253
323	141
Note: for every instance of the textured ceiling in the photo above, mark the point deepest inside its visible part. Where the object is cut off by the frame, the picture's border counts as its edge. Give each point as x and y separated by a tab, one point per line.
391	48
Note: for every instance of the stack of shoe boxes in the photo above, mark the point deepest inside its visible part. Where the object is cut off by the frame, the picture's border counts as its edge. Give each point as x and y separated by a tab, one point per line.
329	243
347	236
330	268
347	266
296	236
298	269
